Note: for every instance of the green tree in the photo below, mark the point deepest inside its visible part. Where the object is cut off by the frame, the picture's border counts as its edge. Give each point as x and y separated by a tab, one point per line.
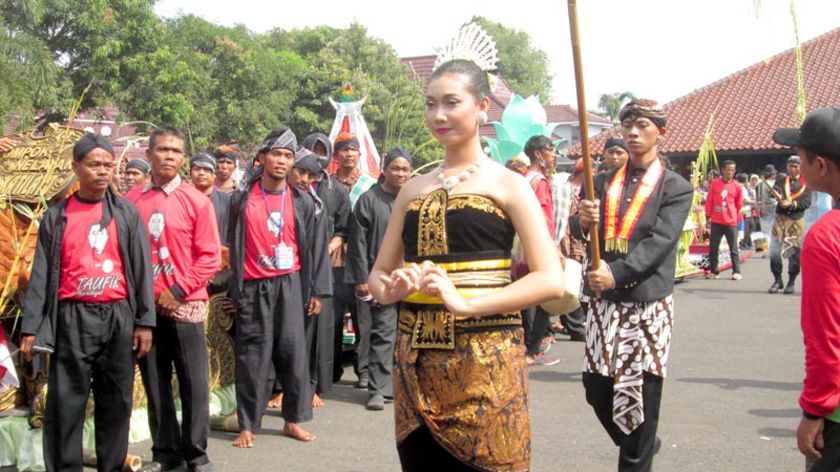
394	108
89	41
611	103
522	65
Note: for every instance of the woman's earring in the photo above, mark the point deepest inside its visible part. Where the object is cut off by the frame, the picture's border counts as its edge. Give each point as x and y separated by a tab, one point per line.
482	117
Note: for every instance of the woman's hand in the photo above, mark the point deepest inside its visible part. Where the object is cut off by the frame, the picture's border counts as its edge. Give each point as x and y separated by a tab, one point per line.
436	283
401	282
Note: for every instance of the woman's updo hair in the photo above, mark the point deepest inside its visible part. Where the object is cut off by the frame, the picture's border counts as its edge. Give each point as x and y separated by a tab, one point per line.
478	82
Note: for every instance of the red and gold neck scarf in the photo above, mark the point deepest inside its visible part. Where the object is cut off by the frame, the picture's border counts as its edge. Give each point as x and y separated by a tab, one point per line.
617	230
799	192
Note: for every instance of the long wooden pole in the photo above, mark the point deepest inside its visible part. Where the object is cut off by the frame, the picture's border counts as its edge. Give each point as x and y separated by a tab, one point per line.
583	117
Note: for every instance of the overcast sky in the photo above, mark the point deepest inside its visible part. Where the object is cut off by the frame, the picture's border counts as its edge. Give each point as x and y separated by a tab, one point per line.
660	49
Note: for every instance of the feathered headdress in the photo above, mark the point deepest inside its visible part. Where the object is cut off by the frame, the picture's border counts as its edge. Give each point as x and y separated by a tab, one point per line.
471	43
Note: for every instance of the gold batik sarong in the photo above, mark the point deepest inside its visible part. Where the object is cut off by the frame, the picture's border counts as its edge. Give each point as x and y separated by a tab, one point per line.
788	232
472	398
464	379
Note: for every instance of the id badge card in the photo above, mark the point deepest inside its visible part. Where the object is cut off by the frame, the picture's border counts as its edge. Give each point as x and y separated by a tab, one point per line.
284	258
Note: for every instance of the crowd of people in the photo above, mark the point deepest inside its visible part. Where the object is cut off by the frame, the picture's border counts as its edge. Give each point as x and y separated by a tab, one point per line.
447	278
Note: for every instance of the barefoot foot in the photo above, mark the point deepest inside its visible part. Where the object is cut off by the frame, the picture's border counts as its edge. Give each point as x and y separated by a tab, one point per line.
276	401
317	402
293	430
244	440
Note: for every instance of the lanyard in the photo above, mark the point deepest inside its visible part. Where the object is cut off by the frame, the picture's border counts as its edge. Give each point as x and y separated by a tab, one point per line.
276	224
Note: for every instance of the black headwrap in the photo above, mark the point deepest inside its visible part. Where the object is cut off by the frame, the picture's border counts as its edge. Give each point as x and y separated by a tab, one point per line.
203	160
344	140
645	109
307	160
139	164
390	157
310	141
229	155
88	143
394	154
287	140
616	142
85	145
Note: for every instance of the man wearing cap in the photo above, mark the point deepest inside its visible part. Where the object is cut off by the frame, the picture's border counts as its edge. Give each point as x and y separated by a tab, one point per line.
615	154
136	174
793	197
640	209
185	255
90	303
723	205
226	167
202	175
367	228
817	144
280	273
319	327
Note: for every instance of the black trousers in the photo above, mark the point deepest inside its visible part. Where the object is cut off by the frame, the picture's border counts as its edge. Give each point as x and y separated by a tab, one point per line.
731	235
536	321
362	322
184	346
830	461
381	340
636	450
419	452
344	300
574	322
270	328
320	331
93	343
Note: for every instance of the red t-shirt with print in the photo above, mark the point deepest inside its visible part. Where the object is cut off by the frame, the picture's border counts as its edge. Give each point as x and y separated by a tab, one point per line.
271	247
91	264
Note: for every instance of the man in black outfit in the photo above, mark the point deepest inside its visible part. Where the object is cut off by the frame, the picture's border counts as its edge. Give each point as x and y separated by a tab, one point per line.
640	209
90	301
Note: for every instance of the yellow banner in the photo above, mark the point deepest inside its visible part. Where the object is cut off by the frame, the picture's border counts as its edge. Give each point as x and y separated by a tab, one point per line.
39	165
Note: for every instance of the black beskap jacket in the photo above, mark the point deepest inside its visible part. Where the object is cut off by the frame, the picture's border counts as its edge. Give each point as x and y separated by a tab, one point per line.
311	232
646	272
40	307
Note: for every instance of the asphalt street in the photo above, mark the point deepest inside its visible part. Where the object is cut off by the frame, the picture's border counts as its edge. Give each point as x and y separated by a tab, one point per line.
729	403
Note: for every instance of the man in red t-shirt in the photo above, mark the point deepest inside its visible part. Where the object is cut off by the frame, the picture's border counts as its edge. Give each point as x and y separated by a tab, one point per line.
185	254
723	205
281	271
817	144
90	302
535	320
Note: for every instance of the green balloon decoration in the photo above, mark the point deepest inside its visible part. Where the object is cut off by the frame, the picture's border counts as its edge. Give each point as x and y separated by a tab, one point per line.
522	118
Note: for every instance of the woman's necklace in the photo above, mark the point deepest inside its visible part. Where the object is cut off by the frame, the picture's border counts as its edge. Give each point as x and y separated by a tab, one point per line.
449	183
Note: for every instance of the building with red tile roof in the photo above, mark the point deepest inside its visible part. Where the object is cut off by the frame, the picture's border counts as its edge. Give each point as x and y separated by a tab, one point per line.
748	106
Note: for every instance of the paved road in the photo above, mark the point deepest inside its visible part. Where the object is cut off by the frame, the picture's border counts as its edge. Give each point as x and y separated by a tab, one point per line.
729	401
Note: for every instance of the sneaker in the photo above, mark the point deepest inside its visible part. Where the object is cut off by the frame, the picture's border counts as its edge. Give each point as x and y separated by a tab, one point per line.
362	383
376	402
736	276
545	346
544	360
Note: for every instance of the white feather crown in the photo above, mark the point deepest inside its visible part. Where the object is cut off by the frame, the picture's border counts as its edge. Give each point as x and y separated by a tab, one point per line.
471	43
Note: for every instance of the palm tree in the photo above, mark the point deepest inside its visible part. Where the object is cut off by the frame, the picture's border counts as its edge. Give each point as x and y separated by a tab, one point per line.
611	103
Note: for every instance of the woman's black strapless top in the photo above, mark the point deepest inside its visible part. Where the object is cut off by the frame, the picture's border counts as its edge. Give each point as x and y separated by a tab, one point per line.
448	228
